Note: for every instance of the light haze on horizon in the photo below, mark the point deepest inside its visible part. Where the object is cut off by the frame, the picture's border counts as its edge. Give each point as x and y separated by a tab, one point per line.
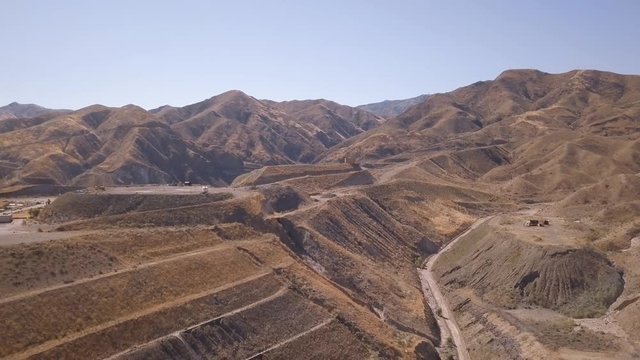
71	54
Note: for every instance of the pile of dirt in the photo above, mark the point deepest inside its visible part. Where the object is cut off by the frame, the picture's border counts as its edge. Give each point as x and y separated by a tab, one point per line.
510	273
283	198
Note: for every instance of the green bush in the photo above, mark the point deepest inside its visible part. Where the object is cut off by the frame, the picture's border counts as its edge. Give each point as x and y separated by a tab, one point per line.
34	212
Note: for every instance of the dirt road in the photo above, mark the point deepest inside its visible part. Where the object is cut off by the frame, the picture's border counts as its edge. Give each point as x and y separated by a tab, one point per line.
434	296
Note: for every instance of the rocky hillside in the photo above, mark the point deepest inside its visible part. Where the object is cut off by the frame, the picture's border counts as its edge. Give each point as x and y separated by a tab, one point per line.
538	133
209	142
106	146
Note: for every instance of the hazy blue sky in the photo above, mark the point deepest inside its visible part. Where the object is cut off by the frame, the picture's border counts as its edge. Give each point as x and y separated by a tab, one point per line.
153	52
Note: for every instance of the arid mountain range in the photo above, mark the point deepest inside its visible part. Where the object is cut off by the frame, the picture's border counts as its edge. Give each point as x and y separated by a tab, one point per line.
391	108
23	111
331	232
209	142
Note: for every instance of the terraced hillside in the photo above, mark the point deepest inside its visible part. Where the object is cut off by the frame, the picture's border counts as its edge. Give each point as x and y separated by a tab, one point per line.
403	241
210	142
217	276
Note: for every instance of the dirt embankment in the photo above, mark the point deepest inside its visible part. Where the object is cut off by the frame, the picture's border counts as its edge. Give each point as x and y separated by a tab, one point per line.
283	198
360	247
181	291
249	211
317	184
511	273
271	174
364	258
72	206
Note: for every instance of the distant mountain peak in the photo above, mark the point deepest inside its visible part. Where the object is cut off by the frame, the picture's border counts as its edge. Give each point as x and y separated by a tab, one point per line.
18	110
392	108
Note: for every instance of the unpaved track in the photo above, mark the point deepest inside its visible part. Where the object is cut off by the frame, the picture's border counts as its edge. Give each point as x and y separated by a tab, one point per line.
178	333
429	283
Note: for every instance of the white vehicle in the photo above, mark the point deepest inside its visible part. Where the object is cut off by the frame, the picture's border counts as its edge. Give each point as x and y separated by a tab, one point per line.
205	189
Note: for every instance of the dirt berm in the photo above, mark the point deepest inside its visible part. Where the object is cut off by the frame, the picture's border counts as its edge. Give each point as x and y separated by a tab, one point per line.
271	174
511	273
72	206
283	198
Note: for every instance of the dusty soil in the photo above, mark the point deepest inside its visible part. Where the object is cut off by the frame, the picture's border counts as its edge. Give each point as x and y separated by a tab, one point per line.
536	316
156	280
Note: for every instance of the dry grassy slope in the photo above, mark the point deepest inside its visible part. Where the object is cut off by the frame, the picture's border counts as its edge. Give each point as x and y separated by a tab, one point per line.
438	211
562	126
204	142
313	185
563	161
265	132
391	108
336	122
246	127
12	124
23	111
247	210
470	164
99	145
358	245
72	206
368	274
610	207
612	190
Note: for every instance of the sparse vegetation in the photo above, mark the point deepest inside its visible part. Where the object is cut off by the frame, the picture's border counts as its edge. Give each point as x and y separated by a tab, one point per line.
282	264
34	212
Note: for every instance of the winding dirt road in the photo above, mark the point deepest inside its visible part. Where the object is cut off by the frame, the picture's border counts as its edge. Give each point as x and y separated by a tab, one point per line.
434	296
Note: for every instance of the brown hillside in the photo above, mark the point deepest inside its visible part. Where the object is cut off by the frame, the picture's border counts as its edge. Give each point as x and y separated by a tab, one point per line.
210	142
515	106
100	145
336	122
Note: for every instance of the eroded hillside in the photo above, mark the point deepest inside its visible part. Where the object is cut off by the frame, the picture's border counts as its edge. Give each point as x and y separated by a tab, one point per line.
209	142
408	238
